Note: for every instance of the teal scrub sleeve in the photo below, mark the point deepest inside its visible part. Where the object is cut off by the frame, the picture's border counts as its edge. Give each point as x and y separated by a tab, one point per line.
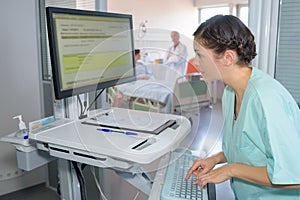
282	139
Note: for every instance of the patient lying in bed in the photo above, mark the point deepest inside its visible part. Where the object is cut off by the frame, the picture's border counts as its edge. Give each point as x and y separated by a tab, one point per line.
142	73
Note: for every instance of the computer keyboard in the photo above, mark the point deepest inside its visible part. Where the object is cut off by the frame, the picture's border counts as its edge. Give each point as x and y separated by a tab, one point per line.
176	187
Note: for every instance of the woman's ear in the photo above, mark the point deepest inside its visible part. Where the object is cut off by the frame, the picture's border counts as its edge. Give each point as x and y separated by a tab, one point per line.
229	57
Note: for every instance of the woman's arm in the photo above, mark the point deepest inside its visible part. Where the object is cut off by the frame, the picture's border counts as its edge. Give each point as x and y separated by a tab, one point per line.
219	158
258	175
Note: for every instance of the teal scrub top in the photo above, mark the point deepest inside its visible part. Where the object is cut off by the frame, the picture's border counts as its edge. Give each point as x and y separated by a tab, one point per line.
266	133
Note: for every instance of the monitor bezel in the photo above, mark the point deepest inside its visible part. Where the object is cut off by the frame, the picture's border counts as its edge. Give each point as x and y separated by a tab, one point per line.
54	57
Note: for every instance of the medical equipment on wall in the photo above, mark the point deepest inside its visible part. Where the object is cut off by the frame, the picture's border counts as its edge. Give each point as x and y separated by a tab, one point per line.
142	29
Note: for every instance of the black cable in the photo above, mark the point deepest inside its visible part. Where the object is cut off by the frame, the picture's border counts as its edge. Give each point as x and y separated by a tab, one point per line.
85	107
83	110
83	166
80	177
80	103
81	115
95	99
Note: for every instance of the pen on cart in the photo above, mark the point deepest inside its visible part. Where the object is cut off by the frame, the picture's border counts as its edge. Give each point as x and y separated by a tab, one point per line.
116	131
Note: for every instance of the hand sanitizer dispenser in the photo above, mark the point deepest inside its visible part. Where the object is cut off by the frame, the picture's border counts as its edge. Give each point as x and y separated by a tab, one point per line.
23	132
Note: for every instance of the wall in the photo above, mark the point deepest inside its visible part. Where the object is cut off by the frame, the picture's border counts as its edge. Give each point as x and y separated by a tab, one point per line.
162	17
19	85
178	15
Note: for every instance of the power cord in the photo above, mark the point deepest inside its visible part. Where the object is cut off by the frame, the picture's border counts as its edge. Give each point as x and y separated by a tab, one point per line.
95	99
136	196
81	180
92	169
82	108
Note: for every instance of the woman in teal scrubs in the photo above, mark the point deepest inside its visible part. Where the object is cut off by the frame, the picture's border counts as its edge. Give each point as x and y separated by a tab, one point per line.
261	143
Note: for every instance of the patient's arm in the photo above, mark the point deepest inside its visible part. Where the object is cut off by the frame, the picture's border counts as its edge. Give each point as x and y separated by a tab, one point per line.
143	77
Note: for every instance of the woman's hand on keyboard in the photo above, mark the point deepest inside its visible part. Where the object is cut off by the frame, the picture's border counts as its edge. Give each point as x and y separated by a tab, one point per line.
215	176
201	167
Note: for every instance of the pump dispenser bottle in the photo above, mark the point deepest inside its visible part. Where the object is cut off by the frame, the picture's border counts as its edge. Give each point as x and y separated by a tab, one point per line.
23	132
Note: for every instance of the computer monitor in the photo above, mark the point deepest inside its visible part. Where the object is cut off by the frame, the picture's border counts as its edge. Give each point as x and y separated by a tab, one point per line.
89	50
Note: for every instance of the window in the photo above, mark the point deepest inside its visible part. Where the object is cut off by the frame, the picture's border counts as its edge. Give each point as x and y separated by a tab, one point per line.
206	13
242	13
239	10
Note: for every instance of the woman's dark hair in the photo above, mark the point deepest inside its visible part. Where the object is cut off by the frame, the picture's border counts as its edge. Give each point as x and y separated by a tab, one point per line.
227	32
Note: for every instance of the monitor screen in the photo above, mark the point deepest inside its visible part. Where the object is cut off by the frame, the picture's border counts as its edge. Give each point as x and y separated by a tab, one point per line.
89	50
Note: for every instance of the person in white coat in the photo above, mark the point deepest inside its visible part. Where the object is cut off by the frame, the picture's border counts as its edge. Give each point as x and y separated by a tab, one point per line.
177	54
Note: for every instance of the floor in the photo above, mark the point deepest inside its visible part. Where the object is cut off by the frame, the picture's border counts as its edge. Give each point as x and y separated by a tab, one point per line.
206	139
37	192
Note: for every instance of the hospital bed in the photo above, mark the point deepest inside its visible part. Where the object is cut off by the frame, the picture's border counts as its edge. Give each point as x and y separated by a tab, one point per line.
150	95
169	92
190	93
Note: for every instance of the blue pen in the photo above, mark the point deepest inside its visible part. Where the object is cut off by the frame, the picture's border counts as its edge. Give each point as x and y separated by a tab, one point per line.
110	130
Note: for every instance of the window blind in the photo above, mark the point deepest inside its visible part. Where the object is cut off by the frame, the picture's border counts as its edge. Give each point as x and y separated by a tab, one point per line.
287	69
